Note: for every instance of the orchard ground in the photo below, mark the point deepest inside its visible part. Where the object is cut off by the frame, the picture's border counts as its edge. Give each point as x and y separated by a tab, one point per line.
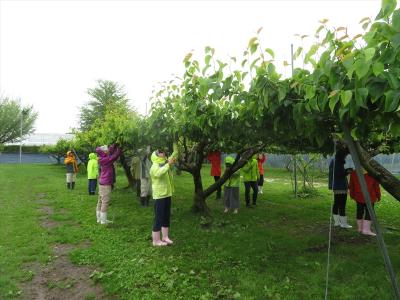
52	248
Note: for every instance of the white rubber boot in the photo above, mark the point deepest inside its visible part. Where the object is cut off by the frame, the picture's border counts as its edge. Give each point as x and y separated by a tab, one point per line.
343	222
165	237
98	216
103	218
156	239
359	225
367	228
336	219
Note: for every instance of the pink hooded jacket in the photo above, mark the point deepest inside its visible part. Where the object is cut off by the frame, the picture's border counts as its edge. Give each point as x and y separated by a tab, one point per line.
106	164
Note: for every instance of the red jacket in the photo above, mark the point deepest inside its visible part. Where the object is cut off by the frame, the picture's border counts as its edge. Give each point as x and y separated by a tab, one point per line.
260	163
355	188
215	159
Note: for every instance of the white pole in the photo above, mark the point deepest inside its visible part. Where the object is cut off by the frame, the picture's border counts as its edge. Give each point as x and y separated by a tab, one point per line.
294	156
20	141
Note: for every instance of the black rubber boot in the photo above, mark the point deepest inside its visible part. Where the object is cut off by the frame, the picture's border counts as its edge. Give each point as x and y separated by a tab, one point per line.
72	185
68	185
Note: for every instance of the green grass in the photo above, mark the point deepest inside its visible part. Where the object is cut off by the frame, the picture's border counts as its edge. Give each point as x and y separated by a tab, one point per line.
275	251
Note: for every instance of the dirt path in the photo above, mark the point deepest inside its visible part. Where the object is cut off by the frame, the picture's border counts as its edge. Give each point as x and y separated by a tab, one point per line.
60	279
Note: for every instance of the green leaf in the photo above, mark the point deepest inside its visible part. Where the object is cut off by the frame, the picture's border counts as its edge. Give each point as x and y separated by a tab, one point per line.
207	59
329	37
319	29
345	97
396	20
281	93
270	52
327	67
387	8
310	92
369	53
298	52
313	103
393	80
361	97
314	48
253	48
361	67
392	101
332	102
395	40
342	113
378	68
254	63
252	41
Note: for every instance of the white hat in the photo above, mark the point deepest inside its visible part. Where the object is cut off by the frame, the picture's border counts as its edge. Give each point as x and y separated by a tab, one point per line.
104	148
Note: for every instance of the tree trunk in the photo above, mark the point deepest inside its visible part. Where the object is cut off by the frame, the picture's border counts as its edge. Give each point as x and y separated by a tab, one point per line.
389	182
199	201
127	170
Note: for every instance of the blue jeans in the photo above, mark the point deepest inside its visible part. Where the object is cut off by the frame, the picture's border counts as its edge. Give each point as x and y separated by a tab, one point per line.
247	186
92	184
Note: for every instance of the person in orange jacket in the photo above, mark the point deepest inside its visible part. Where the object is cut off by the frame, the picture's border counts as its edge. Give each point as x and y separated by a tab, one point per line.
72	169
215	159
261	158
364	221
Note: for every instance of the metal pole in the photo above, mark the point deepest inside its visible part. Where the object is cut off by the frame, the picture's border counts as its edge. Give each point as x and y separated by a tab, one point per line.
389	268
294	156
20	141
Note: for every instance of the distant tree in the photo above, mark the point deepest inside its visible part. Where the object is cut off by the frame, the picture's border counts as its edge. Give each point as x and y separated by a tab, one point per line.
10	120
120	127
59	150
106	96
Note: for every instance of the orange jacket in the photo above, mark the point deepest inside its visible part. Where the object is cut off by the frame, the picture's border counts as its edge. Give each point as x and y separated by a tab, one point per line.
70	159
215	159
260	163
355	188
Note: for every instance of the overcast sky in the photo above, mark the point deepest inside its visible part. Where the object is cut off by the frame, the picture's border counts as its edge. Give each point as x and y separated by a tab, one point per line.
51	52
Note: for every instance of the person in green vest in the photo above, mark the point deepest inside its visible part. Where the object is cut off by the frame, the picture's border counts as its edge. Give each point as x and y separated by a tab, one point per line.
92	173
251	175
231	188
162	186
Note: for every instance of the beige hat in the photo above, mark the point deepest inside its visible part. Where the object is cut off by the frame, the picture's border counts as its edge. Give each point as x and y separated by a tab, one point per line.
104	148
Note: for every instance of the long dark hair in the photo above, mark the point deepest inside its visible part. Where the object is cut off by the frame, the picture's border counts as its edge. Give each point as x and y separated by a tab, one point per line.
341	154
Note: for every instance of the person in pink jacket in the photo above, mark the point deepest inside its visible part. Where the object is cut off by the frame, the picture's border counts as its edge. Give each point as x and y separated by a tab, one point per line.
106	161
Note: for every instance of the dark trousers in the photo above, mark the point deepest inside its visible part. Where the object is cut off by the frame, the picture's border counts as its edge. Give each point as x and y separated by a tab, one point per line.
162	213
247	186
261	180
361	208
216	178
92	184
339	204
137	186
